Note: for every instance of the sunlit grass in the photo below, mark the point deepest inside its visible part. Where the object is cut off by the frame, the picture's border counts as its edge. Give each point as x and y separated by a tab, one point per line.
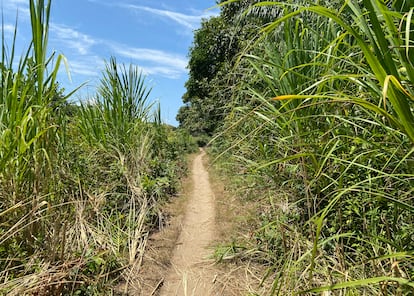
330	126
80	186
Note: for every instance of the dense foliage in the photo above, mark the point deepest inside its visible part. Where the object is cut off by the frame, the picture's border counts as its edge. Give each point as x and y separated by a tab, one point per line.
80	186
212	59
316	125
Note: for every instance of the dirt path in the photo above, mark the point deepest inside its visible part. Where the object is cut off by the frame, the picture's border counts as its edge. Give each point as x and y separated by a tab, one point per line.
191	272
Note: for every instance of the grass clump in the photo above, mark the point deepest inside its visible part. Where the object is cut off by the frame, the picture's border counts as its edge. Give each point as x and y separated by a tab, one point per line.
80	186
324	145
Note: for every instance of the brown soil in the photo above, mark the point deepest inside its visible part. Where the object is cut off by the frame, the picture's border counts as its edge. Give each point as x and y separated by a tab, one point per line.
191	272
178	259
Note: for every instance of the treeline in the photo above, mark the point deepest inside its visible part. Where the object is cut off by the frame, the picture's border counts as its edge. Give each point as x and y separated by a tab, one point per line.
310	107
80	185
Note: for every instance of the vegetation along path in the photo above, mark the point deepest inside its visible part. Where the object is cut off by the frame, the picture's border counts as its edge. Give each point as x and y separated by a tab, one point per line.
191	272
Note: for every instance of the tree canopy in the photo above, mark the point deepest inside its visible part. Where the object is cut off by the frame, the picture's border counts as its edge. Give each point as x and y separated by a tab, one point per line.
212	59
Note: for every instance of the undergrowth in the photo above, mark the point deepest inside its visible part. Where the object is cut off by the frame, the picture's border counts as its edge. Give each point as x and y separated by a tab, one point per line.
80	186
320	137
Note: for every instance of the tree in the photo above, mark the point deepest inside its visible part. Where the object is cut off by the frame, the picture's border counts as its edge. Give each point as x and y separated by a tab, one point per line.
212	48
213	67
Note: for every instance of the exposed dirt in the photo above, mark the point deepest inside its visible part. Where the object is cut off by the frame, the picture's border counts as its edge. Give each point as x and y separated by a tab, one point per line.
178	259
191	272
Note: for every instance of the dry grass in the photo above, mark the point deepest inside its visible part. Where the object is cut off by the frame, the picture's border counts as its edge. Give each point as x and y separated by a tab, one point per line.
235	219
147	278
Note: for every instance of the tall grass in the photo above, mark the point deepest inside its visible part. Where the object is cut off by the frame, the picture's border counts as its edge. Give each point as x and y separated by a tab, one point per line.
29	129
335	143
121	103
80	186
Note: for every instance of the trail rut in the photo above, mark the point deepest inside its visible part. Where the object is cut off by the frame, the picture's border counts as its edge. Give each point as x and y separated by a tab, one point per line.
192	272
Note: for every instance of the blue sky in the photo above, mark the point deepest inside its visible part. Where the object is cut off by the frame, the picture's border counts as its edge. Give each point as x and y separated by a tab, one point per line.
154	35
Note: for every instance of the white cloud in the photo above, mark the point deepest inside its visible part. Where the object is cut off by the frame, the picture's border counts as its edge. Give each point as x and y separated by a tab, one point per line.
162	71
21	7
90	67
153	55
8	28
18	2
72	38
163	63
84	61
151	61
189	21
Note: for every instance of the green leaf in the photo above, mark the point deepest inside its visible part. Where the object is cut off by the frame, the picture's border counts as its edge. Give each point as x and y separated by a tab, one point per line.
363	282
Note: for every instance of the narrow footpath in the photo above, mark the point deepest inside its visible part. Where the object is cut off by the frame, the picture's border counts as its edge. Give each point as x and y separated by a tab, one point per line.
191	273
